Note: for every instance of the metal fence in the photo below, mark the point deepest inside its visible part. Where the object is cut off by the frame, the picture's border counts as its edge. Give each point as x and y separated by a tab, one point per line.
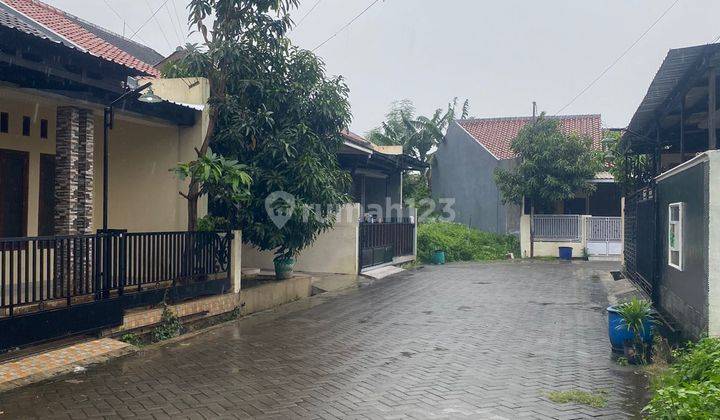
56	271
604	229
557	227
380	242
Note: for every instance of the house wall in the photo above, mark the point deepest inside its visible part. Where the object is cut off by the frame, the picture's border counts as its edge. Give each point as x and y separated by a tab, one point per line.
548	248
334	251
463	171
143	193
684	294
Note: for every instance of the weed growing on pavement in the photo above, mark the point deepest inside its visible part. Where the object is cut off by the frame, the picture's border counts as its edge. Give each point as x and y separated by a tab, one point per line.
596	400
170	326
622	361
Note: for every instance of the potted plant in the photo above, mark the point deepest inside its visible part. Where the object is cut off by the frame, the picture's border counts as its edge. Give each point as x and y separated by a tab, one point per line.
632	323
284	262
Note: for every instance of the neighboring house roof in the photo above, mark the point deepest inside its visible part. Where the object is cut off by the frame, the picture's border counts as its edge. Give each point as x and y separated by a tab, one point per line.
39	19
356	138
496	134
679	65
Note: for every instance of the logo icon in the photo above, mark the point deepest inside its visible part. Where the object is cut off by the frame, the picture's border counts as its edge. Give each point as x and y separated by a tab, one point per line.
279	206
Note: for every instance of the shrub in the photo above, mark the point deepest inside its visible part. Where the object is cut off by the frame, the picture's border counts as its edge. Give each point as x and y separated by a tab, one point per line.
690	389
169	327
132	339
462	243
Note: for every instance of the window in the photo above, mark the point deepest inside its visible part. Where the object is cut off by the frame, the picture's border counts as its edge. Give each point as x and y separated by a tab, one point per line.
13	193
4	122
675	235
43	129
26	126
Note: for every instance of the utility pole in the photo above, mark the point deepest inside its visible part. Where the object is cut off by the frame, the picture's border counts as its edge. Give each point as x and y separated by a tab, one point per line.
532	202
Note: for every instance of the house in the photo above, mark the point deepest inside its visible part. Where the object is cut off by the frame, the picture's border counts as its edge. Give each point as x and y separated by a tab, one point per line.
672	241
463	171
62	268
373	230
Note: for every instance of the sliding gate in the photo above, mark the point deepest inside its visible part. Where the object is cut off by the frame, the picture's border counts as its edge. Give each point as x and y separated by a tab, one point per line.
640	234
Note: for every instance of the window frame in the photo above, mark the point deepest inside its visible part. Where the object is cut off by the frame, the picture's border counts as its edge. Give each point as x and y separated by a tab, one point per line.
679	243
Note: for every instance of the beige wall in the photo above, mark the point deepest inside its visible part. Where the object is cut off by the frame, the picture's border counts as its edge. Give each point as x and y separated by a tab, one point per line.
334	251
548	249
714	244
143	193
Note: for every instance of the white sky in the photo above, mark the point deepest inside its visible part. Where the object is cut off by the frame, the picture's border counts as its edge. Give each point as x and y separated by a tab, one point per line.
501	54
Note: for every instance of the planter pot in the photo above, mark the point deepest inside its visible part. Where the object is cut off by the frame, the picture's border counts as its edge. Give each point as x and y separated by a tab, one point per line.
438	257
283	267
619	335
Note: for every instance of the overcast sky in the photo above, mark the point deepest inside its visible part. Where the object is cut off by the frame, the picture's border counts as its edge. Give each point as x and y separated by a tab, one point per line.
500	54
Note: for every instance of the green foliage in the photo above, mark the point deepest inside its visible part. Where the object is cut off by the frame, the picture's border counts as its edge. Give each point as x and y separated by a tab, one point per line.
630	171
132	339
274	110
462	243
169	327
211	223
595	400
419	135
634	314
225	179
690	389
553	166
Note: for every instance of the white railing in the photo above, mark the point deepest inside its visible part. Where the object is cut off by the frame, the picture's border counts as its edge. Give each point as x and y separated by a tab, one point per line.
558	227
604	229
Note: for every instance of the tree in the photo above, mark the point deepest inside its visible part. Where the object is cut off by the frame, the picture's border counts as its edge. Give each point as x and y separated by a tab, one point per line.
552	166
631	171
281	117
241	31
419	135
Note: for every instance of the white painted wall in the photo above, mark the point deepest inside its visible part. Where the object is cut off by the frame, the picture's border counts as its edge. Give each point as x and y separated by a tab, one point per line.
714	244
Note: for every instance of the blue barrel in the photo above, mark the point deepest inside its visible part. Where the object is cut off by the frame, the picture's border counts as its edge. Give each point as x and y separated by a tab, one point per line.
565	253
619	334
438	257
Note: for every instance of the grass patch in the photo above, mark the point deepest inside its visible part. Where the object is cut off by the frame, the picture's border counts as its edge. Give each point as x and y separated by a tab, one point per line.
462	243
596	400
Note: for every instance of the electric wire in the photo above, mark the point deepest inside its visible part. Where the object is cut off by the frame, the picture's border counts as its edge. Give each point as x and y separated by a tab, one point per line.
345	26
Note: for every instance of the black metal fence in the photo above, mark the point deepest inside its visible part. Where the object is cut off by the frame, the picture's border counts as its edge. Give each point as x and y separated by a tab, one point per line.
40	273
639	238
380	242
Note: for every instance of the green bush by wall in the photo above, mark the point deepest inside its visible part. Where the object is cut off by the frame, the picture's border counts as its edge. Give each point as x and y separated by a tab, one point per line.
690	389
462	243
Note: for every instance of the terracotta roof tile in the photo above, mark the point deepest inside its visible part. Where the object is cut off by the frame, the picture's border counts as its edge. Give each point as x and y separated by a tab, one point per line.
57	21
496	134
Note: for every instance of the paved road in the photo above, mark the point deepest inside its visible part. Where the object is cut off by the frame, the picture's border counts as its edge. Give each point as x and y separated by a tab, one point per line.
475	341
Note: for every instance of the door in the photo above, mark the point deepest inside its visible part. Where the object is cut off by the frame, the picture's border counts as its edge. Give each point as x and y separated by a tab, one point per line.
13	193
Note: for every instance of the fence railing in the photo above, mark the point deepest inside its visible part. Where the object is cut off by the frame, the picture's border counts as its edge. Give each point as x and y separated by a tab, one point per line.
557	227
380	242
58	269
604	229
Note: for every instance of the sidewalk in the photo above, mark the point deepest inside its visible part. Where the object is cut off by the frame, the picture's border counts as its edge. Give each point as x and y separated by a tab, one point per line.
33	368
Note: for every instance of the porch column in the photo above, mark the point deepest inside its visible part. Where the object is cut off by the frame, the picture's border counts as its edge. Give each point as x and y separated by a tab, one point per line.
74	171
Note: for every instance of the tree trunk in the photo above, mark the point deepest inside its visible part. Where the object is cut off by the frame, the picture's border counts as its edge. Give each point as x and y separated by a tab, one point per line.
192	203
532	229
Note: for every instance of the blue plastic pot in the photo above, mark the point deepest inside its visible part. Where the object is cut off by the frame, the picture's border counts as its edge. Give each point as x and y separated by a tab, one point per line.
565	253
283	267
619	334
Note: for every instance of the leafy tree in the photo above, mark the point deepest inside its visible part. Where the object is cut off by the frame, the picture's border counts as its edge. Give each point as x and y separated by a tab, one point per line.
239	35
630	171
280	116
552	166
419	135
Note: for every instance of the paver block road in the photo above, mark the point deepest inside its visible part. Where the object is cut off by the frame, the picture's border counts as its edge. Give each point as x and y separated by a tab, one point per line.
465	340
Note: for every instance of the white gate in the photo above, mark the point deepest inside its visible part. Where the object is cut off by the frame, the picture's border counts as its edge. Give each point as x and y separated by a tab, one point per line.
604	235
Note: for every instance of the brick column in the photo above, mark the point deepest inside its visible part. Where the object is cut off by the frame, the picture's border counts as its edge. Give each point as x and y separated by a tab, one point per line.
74	171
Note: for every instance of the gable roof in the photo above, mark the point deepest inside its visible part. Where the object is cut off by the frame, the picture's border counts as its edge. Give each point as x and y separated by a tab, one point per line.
496	134
39	19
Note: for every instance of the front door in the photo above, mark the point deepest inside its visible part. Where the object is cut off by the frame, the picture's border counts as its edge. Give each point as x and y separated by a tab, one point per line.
13	193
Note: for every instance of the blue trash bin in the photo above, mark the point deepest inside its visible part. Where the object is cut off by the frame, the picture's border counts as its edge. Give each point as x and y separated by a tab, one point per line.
565	253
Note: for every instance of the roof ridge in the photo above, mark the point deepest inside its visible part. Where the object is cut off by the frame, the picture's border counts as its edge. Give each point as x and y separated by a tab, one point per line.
529	117
113	33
